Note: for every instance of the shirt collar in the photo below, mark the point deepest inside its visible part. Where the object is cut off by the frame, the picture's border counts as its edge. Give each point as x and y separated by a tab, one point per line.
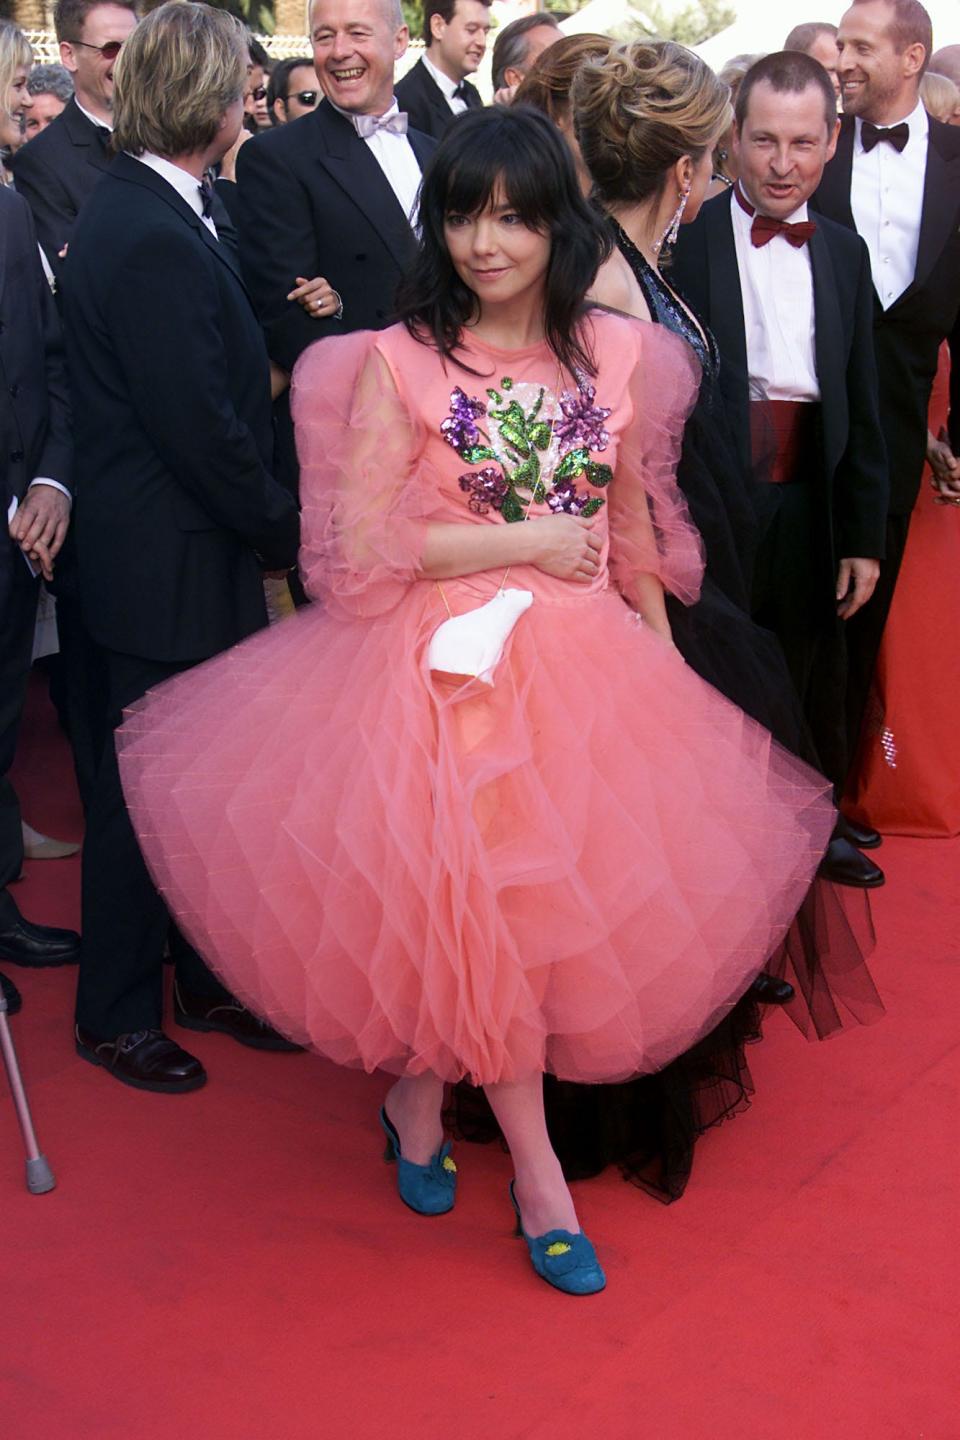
186	185
447	85
94	119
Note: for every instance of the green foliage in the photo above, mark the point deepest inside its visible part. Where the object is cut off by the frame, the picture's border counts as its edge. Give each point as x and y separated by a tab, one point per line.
689	24
257	14
413	15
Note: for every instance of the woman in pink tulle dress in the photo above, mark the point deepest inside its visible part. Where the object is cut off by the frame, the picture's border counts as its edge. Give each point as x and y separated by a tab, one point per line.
576	863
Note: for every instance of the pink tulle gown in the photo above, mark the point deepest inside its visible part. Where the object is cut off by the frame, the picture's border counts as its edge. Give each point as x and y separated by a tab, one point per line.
578	869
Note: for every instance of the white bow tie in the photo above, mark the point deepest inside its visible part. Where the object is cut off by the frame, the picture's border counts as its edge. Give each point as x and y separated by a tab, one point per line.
367	125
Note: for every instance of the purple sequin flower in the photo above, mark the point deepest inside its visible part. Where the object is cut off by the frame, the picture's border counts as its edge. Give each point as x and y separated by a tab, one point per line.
485	487
566	499
459	429
582	422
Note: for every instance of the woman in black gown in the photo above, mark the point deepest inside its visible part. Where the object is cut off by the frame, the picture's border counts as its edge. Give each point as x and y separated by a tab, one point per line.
646	118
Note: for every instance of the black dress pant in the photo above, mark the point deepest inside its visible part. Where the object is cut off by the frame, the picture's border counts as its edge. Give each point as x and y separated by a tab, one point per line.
865	630
18	612
81	690
793	597
125	923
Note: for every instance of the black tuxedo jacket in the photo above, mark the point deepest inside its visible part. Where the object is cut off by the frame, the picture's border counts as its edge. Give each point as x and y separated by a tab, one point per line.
35	432
56	172
313	201
419	95
853	477
170	383
909	334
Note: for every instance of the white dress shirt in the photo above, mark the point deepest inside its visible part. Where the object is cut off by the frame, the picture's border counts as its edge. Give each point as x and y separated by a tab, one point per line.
394	154
447	86
776	282
886	197
186	185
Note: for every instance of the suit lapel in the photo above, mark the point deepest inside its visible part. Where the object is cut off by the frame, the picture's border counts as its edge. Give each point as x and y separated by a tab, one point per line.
435	96
726	317
833	193
128	169
941	187
84	135
350	162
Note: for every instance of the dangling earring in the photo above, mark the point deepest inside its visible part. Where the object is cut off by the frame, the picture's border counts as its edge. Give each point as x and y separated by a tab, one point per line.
669	236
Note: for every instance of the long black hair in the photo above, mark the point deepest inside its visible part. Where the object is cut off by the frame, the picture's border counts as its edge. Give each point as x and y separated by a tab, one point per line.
521	150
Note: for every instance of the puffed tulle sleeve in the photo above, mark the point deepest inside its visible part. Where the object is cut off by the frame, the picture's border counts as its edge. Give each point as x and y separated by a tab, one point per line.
651	531
364	496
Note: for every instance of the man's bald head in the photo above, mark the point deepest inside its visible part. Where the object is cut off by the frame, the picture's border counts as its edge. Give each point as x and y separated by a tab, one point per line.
946	61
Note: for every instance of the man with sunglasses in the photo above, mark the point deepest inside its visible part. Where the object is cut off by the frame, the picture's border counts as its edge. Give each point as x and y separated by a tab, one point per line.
293	90
67	162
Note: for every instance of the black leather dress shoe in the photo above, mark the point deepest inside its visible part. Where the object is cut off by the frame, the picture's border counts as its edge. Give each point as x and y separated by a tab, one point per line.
145	1059
844	865
229	1017
860	835
11	994
23	943
771	991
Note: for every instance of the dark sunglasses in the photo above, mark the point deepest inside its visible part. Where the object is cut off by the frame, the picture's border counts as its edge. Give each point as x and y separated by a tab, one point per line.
259	94
306	97
110	51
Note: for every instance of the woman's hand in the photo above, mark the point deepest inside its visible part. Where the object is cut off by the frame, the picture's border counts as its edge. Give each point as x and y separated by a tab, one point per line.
318	298
566	546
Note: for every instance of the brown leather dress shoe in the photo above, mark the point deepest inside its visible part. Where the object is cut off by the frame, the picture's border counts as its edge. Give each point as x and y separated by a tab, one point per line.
145	1059
229	1017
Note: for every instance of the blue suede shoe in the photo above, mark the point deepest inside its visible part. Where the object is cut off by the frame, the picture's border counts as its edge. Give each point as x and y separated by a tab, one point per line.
429	1189
567	1262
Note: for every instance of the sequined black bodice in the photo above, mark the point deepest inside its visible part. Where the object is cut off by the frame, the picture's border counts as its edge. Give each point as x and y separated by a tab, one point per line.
665	309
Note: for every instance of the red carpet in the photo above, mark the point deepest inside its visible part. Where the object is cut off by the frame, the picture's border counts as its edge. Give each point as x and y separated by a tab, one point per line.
234	1264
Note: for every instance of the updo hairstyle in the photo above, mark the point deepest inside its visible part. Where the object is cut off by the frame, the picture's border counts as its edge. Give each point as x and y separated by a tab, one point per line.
640	110
547	83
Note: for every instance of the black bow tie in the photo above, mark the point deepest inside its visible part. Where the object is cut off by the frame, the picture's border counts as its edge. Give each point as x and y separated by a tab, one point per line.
461	92
103	137
206	195
895	135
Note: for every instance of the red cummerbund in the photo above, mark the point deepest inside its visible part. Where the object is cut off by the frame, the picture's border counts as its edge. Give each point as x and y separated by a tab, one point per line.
783	439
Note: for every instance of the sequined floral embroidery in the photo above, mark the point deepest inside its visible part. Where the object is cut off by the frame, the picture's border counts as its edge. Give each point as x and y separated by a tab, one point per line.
536	457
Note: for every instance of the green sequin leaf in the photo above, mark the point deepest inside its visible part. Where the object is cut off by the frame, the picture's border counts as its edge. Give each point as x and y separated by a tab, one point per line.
507	383
527	474
539	433
573	463
599	475
514	437
473	454
511	509
591	507
539	493
495	396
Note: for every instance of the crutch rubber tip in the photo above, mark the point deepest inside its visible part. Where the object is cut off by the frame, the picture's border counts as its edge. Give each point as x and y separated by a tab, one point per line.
39	1176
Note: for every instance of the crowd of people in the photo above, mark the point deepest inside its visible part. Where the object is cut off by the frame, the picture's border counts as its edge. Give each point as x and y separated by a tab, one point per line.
475	533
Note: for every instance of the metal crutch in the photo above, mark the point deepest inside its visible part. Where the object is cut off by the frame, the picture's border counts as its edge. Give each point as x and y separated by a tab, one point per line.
39	1175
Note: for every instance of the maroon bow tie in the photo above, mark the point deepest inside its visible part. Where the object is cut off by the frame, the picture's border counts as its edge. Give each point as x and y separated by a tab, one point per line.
764	228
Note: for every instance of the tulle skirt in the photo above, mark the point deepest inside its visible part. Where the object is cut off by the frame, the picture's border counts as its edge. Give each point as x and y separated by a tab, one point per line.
578	870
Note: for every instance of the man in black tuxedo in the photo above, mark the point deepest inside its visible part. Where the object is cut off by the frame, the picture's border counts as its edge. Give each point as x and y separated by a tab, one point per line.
58	170
436	90
178	510
333	194
895	180
790	305
35	492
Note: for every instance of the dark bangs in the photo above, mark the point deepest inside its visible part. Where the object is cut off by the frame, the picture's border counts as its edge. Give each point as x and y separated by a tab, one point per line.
519	150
